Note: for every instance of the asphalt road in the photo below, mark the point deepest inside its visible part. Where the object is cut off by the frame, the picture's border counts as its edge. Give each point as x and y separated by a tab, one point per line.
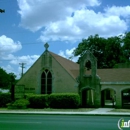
58	122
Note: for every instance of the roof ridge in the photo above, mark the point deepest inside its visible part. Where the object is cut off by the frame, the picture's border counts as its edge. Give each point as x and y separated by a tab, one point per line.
64	58
68	65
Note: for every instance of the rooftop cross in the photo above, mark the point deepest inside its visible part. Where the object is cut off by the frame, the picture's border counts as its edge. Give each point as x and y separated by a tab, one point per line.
46	46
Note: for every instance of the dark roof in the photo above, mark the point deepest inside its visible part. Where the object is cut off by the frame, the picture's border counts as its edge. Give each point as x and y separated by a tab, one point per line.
106	75
68	65
114	75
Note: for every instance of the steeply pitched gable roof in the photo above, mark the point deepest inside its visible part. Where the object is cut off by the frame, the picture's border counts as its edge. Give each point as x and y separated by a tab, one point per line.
106	75
68	65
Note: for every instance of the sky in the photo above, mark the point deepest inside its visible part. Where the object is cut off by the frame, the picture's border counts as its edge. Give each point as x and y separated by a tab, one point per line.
27	25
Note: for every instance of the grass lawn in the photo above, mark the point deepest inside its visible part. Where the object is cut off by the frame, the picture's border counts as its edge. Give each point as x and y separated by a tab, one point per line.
120	110
62	110
50	109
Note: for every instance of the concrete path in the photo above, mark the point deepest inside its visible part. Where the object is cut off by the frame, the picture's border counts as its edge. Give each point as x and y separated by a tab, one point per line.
99	111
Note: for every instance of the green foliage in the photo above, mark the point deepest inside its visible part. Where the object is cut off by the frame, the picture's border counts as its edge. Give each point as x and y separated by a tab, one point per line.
54	100
95	44
113	52
12	77
6	79
19	104
108	51
38	101
64	100
126	45
4	99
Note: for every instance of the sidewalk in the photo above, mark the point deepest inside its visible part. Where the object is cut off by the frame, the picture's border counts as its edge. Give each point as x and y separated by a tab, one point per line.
98	111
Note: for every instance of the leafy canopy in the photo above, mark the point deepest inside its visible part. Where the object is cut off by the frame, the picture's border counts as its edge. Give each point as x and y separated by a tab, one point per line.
108	51
6	79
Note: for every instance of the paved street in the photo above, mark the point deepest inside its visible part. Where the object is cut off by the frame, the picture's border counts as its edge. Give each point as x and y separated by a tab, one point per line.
58	122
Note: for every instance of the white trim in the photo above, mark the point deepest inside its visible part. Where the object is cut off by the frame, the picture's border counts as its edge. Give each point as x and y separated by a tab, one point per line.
122	83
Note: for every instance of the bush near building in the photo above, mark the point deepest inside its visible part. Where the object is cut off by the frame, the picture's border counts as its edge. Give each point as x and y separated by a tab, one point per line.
65	100
5	98
59	100
38	101
19	104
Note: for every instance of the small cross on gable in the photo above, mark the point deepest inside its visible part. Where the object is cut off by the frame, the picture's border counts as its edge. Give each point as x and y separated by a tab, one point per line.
46	46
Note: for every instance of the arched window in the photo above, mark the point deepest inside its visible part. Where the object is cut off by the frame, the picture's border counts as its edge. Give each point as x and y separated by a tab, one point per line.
87	68
46	82
88	65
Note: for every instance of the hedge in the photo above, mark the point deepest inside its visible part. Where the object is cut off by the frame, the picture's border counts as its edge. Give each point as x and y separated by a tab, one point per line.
38	101
19	104
5	98
64	100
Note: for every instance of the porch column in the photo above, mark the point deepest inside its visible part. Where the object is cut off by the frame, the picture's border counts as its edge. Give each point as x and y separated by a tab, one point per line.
97	99
118	99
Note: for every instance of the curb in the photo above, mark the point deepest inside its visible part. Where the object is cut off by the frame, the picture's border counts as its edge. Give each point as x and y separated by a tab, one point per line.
67	113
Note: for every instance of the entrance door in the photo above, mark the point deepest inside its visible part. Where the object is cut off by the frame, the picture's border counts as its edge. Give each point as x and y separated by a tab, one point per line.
108	98
87	98
126	98
102	98
84	98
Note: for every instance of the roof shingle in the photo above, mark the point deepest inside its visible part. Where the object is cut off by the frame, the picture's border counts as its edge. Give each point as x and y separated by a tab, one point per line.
106	75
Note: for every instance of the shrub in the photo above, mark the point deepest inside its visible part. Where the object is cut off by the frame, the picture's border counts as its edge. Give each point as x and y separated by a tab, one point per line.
4	99
38	101
19	104
64	100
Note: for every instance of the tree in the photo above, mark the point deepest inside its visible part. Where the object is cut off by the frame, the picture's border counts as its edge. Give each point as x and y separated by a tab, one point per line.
4	79
126	46
12	81
108	51
12	78
113	51
96	45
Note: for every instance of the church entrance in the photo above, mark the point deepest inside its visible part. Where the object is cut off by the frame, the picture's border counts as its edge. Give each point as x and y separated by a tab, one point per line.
87	98
108	98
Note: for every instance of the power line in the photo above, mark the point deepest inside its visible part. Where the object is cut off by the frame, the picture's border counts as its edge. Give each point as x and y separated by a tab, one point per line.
28	43
4	60
22	66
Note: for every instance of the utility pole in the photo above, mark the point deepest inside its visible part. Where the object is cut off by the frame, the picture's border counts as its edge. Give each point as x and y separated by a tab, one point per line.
22	66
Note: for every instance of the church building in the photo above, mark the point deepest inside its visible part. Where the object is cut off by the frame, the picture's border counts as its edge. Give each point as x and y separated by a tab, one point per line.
52	73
